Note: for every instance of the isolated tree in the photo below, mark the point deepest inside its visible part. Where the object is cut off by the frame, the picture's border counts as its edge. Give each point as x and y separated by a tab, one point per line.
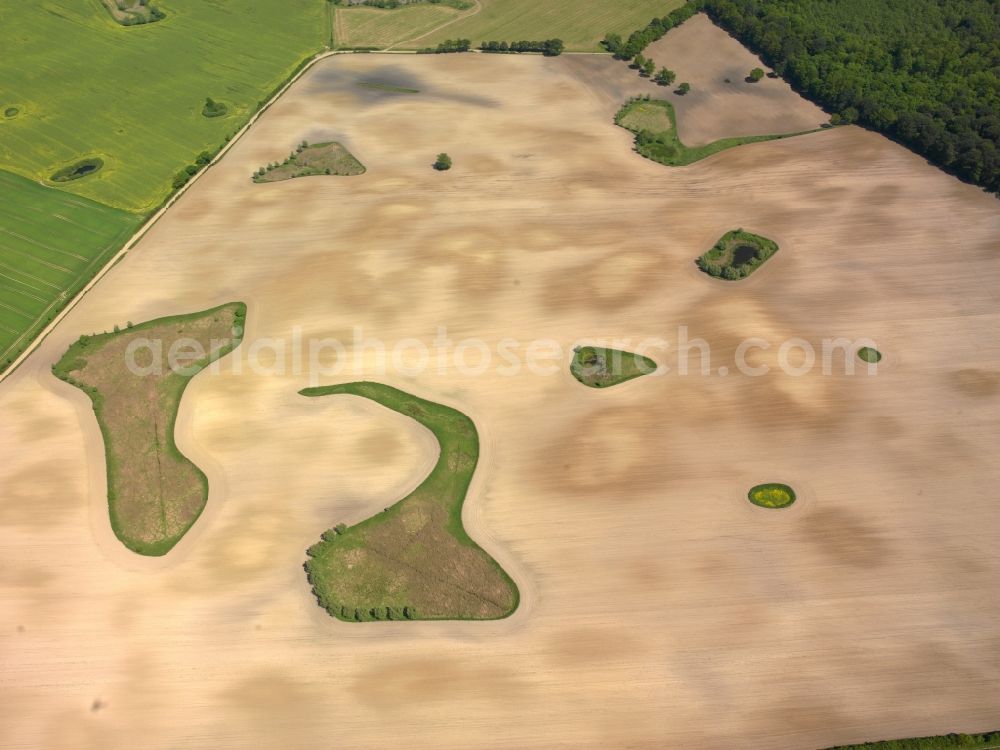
648	67
683	88
637	62
755	75
443	162
665	77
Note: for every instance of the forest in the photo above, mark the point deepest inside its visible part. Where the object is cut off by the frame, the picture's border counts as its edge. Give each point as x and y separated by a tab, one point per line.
924	72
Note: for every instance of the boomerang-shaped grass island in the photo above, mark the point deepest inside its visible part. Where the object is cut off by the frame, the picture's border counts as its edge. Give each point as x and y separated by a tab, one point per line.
414	561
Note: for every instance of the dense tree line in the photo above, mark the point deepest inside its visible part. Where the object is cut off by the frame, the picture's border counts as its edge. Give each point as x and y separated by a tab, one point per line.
655	29
924	72
548	47
448	45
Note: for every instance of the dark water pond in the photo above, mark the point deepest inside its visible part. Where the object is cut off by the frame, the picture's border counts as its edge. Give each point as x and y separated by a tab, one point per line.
744	254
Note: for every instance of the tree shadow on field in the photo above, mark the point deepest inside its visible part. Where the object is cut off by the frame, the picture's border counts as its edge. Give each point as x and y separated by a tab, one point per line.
331	78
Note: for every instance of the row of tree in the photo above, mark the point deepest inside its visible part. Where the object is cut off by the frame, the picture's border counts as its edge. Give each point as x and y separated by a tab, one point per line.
182	177
448	45
655	29
923	72
548	47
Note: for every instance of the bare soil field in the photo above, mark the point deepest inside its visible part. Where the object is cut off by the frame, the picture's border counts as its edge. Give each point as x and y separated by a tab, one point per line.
705	56
659	608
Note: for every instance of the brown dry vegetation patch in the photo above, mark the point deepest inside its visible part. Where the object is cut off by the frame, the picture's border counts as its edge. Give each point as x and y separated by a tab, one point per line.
155	494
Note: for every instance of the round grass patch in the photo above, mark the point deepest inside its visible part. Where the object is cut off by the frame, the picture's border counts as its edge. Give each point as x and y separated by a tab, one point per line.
771	495
869	355
11	112
79	169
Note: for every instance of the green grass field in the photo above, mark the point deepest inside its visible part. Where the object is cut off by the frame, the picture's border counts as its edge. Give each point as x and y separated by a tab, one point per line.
581	24
51	244
414	561
87	86
362	26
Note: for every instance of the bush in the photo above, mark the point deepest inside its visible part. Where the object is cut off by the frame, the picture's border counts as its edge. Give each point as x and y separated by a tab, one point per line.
443	162
755	75
213	108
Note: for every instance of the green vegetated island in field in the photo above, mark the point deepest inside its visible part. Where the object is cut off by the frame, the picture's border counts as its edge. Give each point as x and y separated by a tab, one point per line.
328	158
155	494
82	168
655	127
598	367
771	495
414	561
736	255
51	244
870	355
133	12
952	741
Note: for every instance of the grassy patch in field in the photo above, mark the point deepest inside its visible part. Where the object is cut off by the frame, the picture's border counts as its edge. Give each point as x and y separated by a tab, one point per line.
155	494
870	355
661	143
365	26
10	112
414	561
133	12
771	495
598	367
82	168
134	96
51	244
938	742
392	89
581	24
736	255
329	158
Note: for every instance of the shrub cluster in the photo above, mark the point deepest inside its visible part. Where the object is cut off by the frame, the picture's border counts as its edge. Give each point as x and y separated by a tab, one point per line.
213	108
941	742
137	19
548	47
342	611
763	249
181	178
288	160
